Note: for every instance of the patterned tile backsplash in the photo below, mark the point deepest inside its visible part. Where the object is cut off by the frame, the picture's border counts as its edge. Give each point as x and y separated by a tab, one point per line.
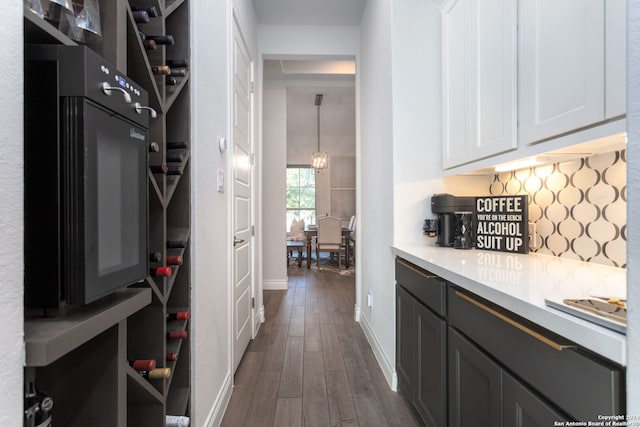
579	207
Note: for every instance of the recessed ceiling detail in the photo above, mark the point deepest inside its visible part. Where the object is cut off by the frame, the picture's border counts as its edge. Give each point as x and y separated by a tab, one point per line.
309	12
317	67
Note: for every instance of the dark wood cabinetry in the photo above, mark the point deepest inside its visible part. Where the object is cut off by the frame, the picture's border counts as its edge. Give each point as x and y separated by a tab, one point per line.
475	385
421	343
482	393
464	361
82	362
430	393
579	383
523	408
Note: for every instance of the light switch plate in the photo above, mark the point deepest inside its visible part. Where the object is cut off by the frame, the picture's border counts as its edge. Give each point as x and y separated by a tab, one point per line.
220	181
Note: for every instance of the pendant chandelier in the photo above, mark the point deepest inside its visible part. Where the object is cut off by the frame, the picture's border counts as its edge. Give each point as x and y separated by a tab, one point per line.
319	159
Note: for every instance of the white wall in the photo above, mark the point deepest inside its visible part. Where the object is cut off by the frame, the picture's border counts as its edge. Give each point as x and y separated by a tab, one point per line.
401	125
375	157
212	376
209	246
11	215
633	206
274	187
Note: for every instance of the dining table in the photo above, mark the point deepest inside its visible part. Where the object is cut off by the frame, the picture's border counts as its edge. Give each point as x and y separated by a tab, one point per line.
312	230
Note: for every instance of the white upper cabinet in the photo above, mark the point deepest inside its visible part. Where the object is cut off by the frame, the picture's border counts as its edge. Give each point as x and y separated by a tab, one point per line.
616	61
561	66
479	79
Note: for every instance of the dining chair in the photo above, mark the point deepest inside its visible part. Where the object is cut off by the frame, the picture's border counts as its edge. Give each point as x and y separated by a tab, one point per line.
329	237
352	238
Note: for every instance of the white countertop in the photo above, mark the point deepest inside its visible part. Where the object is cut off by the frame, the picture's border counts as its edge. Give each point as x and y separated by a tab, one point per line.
520	283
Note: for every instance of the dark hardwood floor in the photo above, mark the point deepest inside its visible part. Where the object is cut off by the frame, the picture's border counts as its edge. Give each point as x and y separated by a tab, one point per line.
311	364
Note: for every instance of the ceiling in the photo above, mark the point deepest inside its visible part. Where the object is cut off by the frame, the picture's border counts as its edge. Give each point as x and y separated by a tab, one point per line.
309	70
309	12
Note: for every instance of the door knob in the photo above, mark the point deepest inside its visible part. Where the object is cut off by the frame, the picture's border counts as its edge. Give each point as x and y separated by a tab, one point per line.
237	241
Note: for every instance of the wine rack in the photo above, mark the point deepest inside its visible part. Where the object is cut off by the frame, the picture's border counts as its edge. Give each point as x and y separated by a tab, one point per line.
90	375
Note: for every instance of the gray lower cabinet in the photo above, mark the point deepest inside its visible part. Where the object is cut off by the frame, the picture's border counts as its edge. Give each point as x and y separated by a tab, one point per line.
522	408
406	351
580	384
481	393
475	385
464	361
421	334
430	393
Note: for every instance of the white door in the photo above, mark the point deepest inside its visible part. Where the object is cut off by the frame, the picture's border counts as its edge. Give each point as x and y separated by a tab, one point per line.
561	66
241	194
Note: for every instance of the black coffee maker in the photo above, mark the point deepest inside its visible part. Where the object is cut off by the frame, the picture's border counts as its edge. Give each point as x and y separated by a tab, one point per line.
455	220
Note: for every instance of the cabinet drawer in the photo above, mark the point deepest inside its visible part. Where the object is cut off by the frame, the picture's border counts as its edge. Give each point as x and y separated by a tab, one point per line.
580	383
429	289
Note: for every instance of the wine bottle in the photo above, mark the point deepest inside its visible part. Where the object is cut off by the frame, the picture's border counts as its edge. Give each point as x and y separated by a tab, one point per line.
175	168
176	155
177	335
154	147
176	421
178	72
149	44
142	364
157	373
170	81
161	70
161	272
176	144
160	39
158	168
141	16
155	256
180	315
152	11
174	260
178	63
176	244
172	357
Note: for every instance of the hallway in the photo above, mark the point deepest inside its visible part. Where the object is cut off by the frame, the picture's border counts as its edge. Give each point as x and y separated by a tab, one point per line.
311	363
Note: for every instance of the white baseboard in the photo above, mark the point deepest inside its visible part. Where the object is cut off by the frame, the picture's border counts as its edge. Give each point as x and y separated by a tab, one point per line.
356	313
258	319
387	367
275	285
220	405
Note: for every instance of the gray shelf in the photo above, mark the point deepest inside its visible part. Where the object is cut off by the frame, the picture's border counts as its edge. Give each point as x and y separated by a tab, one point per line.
48	339
37	30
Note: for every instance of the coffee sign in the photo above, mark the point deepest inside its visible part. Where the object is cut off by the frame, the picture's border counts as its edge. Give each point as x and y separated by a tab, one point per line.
502	223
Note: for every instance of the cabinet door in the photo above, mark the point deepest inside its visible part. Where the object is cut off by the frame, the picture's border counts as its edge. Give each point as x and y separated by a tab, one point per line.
522	408
616	60
561	66
432	367
479	79
475	385
457	82
406	350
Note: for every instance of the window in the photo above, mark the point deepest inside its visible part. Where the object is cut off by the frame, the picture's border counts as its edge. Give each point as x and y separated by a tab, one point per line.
301	195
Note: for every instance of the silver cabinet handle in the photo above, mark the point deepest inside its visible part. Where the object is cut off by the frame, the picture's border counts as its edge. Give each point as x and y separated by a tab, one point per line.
140	107
107	91
237	241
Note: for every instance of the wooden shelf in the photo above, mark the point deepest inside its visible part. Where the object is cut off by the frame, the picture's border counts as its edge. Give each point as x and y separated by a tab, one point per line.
47	339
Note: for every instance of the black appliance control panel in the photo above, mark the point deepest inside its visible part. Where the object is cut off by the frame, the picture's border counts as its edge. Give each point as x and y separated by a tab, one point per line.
83	73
